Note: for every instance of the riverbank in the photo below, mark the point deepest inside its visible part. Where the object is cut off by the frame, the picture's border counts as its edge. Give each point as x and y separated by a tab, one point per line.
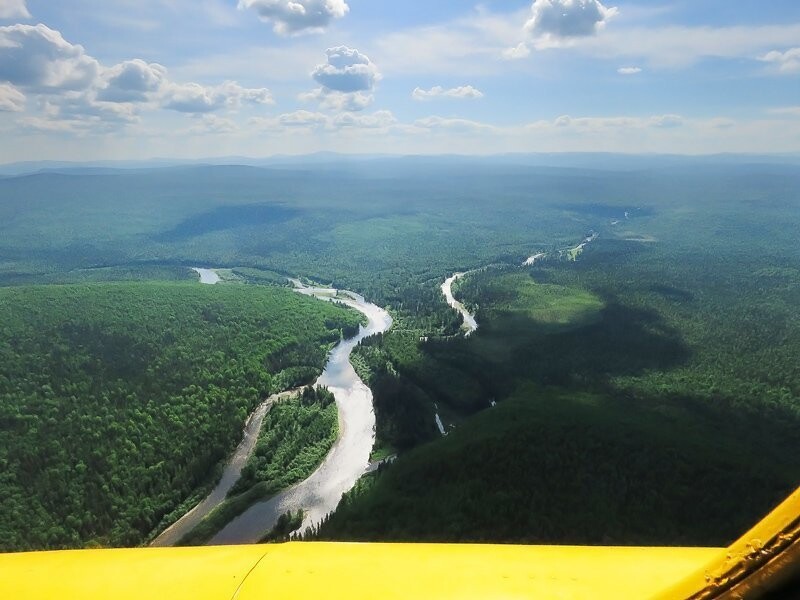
348	460
230	475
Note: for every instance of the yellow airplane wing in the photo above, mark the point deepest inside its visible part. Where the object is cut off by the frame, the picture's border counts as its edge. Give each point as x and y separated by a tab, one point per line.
765	557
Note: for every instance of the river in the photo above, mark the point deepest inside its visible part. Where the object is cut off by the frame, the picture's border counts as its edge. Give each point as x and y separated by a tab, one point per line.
207	276
470	324
230	475
348	460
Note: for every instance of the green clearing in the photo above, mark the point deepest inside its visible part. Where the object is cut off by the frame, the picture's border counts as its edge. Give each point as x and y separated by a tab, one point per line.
514	302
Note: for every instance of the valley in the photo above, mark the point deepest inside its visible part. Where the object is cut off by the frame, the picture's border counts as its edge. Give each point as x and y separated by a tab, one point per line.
600	385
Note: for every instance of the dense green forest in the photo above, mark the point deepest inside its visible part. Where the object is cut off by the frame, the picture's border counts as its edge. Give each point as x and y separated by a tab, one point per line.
117	401
572	467
686	357
660	366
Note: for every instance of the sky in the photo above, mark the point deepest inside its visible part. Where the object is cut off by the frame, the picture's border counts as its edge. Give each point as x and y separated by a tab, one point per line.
137	79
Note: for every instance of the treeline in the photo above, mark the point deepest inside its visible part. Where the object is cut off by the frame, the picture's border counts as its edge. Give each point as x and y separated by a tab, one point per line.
117	401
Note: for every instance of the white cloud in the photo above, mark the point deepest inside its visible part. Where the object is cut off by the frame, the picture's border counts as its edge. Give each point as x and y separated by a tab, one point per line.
567	18
609	123
347	70
678	47
435	122
196	98
11	99
471	46
132	81
521	50
629	70
468	46
307	121
38	58
302	118
79	113
666	121
84	108
461	92
786	62
380	119
213	124
347	80
14	9
297	16
74	89
793	111
338	101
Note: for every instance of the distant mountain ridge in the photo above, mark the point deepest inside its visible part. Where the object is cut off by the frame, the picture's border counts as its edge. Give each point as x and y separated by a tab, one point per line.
585	160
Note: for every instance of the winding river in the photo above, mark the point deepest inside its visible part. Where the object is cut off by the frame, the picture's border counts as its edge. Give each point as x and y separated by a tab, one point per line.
348	460
470	324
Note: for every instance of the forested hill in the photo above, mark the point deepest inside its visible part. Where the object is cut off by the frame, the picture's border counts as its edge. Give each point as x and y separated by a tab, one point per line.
117	401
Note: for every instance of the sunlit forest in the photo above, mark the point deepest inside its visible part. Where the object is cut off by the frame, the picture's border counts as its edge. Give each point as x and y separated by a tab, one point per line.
119	401
641	390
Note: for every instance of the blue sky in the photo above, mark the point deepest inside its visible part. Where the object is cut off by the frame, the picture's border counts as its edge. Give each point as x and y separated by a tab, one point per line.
120	79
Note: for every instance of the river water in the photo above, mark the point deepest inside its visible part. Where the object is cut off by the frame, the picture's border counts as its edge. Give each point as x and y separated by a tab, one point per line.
207	276
348	460
470	324
230	474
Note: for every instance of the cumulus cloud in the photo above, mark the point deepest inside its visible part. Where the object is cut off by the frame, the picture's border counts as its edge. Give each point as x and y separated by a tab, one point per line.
11	99
347	70
79	113
77	107
14	9
786	62
196	98
297	16
75	93
461	92
567	18
132	81
629	70
346	80
38	58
